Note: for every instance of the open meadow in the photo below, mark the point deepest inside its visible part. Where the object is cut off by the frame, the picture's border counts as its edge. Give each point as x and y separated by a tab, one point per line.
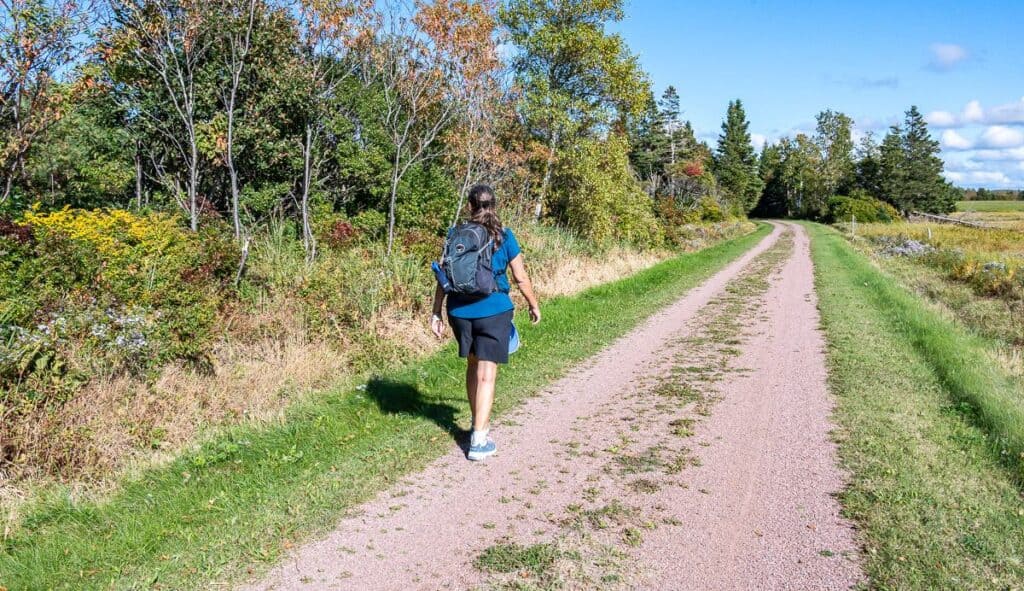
975	274
1004	205
1005	215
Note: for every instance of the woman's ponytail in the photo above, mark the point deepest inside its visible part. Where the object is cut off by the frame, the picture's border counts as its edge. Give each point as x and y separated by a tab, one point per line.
482	205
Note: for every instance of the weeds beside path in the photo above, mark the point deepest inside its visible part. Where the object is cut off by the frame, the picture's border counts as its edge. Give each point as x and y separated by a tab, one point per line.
242	500
930	429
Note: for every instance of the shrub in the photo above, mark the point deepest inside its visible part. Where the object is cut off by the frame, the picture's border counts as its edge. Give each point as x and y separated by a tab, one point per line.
861	206
991	278
694	168
19	233
370	223
342	233
426	200
601	198
336	231
346	289
691	225
105	291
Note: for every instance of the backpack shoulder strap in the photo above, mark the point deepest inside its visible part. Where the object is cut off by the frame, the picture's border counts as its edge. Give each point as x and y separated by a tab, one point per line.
447	242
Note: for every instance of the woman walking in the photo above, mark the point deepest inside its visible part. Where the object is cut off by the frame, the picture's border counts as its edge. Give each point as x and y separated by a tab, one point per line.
483	325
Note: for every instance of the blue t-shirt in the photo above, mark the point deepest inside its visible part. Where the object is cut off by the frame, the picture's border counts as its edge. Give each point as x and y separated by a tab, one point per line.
499	301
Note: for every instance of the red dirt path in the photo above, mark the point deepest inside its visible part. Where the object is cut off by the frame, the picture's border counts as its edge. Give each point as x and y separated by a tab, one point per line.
757	513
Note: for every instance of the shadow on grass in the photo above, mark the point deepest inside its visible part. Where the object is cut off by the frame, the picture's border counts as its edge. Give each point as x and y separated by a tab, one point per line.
395	397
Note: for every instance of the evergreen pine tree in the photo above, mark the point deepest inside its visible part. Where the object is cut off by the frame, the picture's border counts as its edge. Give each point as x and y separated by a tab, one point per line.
890	169
923	186
735	163
648	144
868	170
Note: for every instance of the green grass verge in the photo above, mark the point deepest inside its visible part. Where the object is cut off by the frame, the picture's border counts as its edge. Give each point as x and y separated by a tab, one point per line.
990	205
930	430
243	499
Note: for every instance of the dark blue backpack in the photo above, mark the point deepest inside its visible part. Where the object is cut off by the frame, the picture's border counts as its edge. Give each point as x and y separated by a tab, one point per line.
466	261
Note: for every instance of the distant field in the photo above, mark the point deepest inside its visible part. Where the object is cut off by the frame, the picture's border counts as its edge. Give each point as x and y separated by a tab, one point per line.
976	274
1006	215
990	205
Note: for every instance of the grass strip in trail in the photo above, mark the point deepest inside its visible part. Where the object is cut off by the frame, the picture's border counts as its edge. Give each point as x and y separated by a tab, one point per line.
930	429
235	505
590	547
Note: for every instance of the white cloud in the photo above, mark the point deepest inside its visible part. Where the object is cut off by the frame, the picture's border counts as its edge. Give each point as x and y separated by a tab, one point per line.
976	113
758	140
978	177
1011	155
954	141
991	156
973	112
1008	113
1000	136
945	56
941	119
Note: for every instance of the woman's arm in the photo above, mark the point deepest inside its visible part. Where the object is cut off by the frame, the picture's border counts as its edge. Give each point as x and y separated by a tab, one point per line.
436	319
525	287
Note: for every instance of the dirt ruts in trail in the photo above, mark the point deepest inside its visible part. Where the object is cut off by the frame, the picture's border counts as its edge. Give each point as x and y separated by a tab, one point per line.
693	453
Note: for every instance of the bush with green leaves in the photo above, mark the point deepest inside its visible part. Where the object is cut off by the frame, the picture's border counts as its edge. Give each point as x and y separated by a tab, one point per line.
601	199
98	292
862	207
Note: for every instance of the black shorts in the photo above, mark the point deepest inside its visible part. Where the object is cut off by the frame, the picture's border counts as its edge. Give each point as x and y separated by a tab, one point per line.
486	338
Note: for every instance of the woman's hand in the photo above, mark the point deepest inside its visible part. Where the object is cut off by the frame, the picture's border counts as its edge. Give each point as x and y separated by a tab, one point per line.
436	322
523	281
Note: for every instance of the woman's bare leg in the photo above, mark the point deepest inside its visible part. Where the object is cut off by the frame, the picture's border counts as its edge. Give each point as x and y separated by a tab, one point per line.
471	367
486	377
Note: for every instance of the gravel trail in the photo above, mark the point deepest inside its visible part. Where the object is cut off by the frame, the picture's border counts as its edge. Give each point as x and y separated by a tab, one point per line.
692	453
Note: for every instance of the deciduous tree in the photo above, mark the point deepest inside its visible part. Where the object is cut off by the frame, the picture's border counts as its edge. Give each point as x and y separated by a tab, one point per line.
328	31
575	76
237	31
834	137
414	62
464	38
39	42
163	43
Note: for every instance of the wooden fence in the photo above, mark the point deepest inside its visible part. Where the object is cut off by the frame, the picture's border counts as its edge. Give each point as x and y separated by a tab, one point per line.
931	217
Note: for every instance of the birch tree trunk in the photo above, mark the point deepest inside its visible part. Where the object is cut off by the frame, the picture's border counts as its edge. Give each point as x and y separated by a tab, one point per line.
193	181
138	177
239	52
308	240
393	201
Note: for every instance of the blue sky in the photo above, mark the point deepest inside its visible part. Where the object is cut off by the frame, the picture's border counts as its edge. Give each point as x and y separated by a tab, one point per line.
961	63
